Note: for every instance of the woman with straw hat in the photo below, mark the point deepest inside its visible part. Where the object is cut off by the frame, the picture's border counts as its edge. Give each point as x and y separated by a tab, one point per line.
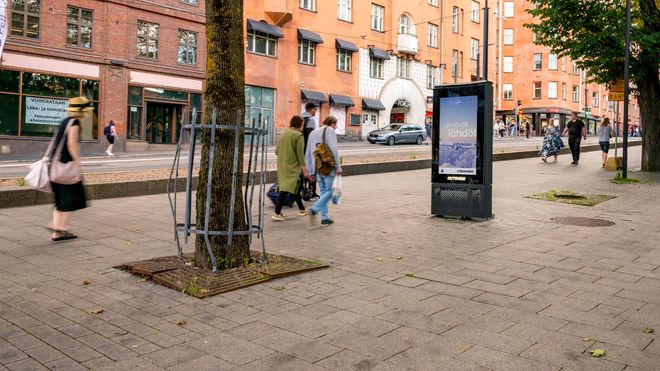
67	184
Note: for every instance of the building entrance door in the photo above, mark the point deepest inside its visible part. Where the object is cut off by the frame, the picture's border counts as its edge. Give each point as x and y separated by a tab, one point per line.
163	123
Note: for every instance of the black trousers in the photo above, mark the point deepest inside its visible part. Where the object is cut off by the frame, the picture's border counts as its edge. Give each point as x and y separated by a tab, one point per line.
574	144
282	198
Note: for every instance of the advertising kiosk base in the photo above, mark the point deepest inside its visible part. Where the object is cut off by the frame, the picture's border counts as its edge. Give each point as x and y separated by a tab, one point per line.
462	200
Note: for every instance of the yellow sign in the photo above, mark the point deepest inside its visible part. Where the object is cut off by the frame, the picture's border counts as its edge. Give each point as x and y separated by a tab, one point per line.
617	86
615	96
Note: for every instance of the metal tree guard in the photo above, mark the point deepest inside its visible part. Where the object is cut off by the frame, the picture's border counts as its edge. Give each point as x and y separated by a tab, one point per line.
256	178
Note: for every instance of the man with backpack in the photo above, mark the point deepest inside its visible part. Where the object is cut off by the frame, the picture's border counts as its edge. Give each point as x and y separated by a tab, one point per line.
322	158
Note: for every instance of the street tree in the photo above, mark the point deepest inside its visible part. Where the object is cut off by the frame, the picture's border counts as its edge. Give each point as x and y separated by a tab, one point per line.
592	33
225	79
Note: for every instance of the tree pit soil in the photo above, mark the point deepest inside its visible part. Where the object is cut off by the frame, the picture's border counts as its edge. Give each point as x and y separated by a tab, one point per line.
568	197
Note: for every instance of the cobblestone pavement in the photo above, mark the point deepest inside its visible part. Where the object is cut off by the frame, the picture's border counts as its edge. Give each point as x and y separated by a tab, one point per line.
404	290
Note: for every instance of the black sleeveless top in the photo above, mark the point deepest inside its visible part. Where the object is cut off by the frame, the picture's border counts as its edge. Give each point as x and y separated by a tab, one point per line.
59	136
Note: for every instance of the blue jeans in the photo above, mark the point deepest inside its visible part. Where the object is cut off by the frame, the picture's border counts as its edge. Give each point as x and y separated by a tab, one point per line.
321	205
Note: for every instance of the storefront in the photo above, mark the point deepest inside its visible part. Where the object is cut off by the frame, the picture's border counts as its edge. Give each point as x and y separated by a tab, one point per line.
34	104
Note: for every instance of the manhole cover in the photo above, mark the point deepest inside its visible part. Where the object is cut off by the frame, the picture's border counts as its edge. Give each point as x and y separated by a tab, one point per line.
583	222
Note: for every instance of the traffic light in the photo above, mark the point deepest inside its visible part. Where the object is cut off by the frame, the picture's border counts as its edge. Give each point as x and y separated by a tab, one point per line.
520	103
520	112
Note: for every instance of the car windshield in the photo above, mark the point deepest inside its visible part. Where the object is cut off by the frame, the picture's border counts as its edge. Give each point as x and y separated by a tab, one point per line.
392	127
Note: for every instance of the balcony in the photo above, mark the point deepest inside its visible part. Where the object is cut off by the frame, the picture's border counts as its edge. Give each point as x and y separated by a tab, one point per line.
279	11
408	44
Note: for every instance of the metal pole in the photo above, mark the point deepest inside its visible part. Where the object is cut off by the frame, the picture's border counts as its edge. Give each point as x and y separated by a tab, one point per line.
616	131
626	82
485	63
478	65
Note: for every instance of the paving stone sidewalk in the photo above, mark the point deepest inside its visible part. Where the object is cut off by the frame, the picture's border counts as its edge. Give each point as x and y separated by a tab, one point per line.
404	291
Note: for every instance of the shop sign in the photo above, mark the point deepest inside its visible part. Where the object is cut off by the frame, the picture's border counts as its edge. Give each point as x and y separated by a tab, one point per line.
45	111
402	103
458	135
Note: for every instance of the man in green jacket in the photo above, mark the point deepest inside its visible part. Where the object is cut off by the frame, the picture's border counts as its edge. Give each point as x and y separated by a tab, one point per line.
290	153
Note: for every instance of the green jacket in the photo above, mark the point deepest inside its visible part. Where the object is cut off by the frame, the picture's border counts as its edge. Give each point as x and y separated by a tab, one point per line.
290	158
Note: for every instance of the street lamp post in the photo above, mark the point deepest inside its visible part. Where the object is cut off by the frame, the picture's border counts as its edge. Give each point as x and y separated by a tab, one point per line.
626	83
485	43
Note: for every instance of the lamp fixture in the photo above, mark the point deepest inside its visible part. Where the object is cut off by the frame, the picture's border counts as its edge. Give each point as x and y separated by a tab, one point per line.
390	52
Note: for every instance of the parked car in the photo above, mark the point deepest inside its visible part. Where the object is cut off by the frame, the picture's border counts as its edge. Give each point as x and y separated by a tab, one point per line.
398	133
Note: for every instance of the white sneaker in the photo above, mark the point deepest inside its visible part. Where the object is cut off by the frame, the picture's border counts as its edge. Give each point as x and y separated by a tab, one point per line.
278	217
110	153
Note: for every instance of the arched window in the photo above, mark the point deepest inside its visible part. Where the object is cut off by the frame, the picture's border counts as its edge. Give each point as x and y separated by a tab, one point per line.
406	26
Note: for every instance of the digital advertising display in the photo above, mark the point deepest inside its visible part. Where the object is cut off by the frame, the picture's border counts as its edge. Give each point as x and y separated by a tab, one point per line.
458	135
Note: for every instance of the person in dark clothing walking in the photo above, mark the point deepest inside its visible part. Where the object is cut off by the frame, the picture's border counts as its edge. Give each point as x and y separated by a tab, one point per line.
527	129
309	124
290	162
576	131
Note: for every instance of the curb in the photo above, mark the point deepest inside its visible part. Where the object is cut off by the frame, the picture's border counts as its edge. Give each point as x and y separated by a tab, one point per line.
31	197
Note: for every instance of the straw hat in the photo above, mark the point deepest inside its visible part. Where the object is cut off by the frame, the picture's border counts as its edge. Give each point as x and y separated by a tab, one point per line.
80	104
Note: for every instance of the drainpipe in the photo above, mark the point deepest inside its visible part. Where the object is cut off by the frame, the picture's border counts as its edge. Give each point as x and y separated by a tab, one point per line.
500	17
442	40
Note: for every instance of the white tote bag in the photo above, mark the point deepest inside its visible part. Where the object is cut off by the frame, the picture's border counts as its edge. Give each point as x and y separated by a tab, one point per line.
336	190
38	175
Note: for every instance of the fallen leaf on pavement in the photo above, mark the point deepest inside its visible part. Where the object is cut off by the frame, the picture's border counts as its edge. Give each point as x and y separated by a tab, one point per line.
86	282
140	280
648	330
586	339
278	288
97	311
181	322
379	259
597	352
399	257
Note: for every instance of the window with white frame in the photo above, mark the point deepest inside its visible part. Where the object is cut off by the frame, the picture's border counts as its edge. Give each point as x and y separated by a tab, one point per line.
563	64
430	76
552	90
261	43
508	9
344	60
507	64
454	19
406	25
377	17
563	90
576	93
538	89
594	99
376	68
403	67
147	39
308	5
344	10
538	61
507	91
474	49
454	63
474	11
576	69
433	35
306	52
433	2
552	62
508	36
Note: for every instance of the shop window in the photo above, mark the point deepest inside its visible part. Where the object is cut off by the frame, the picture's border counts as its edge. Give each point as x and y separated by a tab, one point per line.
134	96
147	40
344	60
50	86
166	94
9	114
376	68
306	52
79	27
261	43
90	89
187	47
25	18
9	81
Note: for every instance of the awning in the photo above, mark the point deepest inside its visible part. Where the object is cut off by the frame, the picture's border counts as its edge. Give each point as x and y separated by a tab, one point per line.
378	53
345	45
372	104
341	100
264	27
309	36
312	95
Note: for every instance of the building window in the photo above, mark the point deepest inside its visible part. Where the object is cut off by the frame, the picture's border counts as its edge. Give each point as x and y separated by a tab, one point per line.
474	48
474	14
576	69
308	5
576	93
433	2
508	9
25	18
461	64
189	2
552	62
377	17
507	91
403	66
538	61
306	51
433	35
507	65
563	64
376	68
563	90
147	40
538	89
406	26
430	76
594	99
508	36
344	60
454	19
187	47
454	63
344	10
552	90
79	27
261	43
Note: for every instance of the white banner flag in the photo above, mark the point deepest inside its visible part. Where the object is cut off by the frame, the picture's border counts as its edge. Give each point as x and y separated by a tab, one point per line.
4	24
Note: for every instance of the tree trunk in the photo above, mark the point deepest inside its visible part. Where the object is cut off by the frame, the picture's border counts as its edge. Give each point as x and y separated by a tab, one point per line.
649	112
225	79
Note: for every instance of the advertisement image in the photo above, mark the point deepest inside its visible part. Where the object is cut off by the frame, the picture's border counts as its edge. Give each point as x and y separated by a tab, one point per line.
458	135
